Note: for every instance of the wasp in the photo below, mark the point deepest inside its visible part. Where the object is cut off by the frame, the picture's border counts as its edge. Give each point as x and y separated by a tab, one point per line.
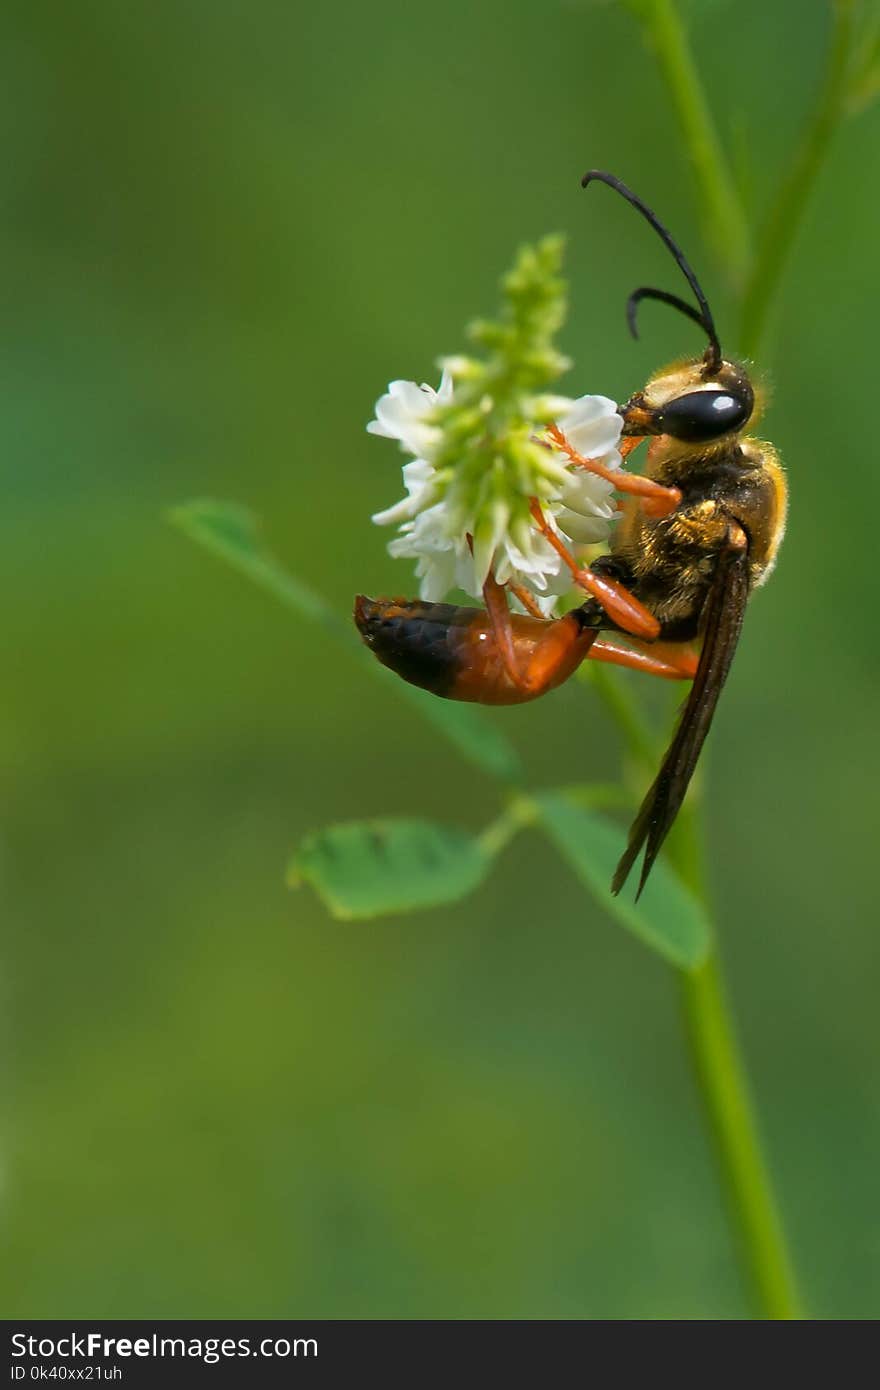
699	529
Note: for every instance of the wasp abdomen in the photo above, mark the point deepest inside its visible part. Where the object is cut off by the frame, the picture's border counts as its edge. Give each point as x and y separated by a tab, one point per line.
452	651
417	640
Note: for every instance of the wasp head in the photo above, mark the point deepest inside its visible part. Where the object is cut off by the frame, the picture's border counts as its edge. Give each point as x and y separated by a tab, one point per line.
696	401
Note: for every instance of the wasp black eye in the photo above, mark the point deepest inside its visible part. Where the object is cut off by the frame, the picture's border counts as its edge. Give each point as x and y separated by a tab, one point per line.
703	415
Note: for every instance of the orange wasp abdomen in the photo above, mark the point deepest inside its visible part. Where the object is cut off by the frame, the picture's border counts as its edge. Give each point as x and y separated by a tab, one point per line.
452	651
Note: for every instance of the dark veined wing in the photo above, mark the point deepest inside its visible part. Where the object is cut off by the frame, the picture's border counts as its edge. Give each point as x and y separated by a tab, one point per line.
725	608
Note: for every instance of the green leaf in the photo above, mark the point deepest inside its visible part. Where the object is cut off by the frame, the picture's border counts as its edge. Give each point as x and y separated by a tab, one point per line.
232	533
371	868
667	917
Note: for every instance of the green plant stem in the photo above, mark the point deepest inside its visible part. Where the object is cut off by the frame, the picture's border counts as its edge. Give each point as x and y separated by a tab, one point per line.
623	710
521	811
517	814
787	212
718	1064
723	1086
727	226
722	1080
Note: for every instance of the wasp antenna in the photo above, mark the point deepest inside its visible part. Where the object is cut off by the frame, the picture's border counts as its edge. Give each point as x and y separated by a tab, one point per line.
704	317
646	292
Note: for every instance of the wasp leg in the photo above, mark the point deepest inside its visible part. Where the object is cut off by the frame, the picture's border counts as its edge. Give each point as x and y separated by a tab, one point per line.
620	605
545	656
526	599
626	446
454	651
558	653
495	598
657	499
499	614
671	660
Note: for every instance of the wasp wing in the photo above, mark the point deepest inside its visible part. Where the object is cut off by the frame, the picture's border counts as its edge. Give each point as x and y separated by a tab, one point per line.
725	608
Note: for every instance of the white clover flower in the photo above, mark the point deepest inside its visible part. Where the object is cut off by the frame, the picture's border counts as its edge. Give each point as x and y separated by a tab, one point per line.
405	413
443	562
457	546
481	452
419	481
592	426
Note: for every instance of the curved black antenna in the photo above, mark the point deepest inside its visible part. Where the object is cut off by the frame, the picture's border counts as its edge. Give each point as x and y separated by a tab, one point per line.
704	318
645	292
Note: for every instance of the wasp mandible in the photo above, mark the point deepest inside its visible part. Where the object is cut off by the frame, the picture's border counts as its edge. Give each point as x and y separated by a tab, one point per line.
699	530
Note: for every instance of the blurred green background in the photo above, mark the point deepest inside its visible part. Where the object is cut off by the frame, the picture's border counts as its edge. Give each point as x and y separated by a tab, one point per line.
224	227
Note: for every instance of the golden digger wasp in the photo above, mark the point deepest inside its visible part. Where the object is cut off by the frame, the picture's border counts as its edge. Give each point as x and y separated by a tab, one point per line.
698	531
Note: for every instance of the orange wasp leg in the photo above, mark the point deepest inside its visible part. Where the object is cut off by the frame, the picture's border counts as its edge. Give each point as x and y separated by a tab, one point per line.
499	614
521	592
670	660
497	607
560	647
558	654
626	446
617	601
657	499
